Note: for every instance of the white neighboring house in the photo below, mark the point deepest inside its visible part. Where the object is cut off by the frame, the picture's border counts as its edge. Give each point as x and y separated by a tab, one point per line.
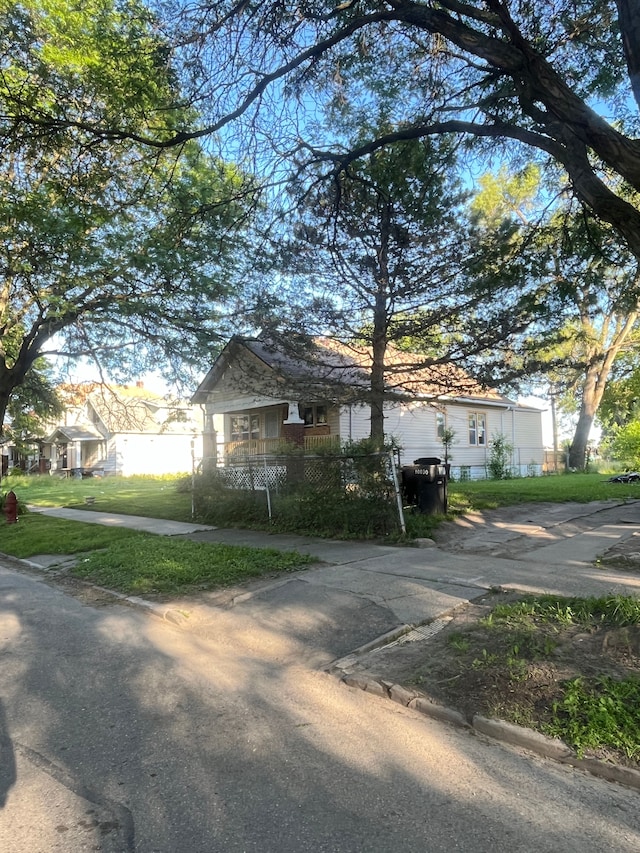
123	430
265	397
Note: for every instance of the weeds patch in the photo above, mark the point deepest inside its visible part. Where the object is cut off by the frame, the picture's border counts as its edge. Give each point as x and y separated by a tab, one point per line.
599	713
155	564
568	667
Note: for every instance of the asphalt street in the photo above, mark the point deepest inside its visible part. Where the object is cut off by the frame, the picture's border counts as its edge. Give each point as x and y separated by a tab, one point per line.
217	728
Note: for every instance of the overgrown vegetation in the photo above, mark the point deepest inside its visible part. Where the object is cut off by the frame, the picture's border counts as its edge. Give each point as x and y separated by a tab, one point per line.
500	454
569	667
350	495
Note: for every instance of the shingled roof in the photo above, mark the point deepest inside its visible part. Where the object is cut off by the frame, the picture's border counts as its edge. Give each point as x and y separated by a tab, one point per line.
339	371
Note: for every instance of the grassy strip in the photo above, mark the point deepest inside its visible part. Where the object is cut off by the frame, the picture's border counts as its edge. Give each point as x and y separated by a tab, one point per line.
133	562
38	534
589	712
154	564
614	610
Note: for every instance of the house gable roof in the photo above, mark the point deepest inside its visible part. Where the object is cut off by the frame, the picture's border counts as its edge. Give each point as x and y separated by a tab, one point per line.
100	409
331	370
78	432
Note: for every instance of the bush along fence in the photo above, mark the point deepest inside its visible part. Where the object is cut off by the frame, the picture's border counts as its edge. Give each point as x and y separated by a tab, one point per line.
348	494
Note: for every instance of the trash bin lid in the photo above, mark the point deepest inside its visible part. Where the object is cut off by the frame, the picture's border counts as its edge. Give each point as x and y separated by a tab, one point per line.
427	460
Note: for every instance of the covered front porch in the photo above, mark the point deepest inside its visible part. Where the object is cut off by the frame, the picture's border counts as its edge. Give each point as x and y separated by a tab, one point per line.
271	446
75	450
266	430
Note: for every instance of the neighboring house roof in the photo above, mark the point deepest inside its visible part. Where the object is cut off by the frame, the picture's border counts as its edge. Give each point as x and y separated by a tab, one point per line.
340	372
79	432
99	410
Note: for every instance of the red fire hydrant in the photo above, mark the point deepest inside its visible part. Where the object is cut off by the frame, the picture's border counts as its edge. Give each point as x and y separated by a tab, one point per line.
11	507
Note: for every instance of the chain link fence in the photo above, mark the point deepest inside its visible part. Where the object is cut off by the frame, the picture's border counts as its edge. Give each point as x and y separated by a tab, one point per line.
329	493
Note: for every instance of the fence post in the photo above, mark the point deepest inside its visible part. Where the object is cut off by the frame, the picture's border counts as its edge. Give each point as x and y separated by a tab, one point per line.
266	485
398	495
193	478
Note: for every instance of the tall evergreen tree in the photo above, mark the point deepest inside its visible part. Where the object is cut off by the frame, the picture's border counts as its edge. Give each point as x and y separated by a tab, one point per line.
385	262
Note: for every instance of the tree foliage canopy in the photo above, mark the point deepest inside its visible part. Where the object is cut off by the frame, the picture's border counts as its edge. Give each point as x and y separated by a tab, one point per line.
555	82
561	78
105	247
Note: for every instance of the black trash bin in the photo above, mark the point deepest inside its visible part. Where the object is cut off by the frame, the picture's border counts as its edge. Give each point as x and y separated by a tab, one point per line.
431	485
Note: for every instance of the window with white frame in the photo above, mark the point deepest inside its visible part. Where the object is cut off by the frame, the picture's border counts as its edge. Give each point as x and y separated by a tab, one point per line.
477	428
441	424
244	427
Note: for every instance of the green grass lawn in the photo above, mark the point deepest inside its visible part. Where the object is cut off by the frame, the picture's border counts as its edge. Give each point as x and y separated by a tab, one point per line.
488	494
170	498
37	534
134	562
160	497
153	497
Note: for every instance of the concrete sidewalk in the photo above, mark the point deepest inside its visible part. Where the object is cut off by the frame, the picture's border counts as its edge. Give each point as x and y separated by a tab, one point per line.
112	519
360	591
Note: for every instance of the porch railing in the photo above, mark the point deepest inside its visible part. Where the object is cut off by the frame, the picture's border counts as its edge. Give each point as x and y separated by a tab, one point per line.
271	446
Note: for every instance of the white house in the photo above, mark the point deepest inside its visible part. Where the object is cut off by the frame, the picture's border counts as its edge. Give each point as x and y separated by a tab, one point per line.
264	397
122	430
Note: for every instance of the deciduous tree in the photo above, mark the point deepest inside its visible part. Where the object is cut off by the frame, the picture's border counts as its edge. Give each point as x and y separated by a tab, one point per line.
105	249
561	79
589	279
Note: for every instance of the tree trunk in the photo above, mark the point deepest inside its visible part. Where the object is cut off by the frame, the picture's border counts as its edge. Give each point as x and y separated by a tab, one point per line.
578	449
6	390
592	391
379	347
379	337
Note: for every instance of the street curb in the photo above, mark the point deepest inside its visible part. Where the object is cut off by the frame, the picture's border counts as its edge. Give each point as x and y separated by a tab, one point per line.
496	729
167	614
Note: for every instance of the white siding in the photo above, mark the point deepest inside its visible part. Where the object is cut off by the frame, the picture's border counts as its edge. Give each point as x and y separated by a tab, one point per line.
140	453
414	427
528	440
355	423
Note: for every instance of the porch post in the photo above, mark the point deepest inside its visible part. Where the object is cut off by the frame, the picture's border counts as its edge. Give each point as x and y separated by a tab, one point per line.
293	427
293	433
209	443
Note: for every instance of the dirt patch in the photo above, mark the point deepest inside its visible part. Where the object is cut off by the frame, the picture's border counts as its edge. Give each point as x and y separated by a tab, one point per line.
625	555
515	675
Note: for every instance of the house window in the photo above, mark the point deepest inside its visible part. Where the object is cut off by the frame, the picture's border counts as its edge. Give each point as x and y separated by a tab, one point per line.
477	429
313	415
441	424
245	427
